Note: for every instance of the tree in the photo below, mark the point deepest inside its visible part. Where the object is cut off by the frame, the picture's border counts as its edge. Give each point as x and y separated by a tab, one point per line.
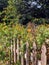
3	4
10	12
33	8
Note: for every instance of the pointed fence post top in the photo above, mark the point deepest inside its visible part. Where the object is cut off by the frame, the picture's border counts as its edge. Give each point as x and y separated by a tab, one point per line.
34	45
43	55
27	44
43	49
47	40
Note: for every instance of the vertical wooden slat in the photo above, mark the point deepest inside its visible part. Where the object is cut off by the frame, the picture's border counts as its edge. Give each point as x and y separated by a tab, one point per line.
43	55
17	49
27	54
14	50
22	54
39	62
22	59
34	58
11	51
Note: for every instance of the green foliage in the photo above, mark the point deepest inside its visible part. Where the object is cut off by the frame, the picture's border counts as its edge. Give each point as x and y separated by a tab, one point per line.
10	12
33	8
42	34
18	63
3	4
17	31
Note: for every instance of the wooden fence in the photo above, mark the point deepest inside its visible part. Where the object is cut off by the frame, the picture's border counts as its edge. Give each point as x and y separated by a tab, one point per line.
29	57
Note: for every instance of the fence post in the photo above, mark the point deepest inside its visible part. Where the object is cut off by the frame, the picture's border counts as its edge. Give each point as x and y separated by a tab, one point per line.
32	59
27	54
11	52
17	49
22	59
22	54
34	54
39	62
43	55
14	50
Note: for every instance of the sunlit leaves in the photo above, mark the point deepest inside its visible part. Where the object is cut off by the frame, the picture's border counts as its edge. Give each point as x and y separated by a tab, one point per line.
18	31
42	34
